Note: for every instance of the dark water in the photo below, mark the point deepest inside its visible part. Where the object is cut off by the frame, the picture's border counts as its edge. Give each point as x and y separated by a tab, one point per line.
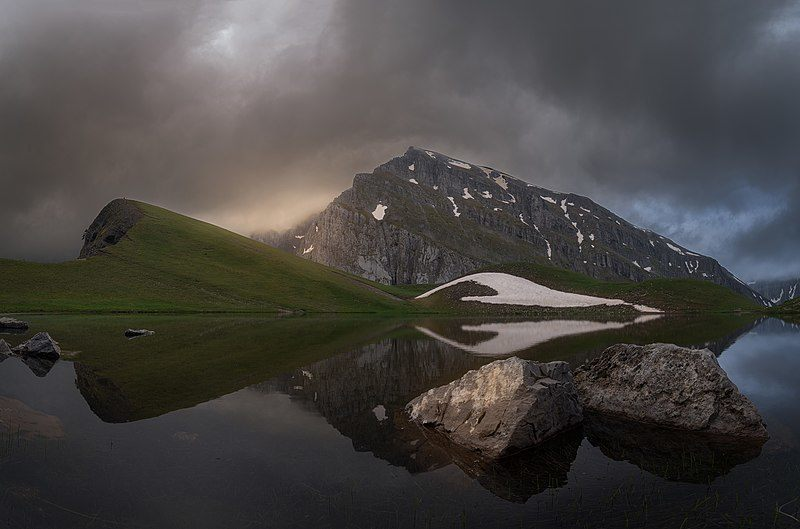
248	422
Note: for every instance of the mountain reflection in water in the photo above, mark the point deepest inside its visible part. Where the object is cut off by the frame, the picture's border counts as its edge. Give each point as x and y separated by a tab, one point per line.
322	439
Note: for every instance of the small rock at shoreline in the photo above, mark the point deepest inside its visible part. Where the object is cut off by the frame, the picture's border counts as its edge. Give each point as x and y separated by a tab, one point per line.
136	333
503	407
670	386
11	323
41	345
4	348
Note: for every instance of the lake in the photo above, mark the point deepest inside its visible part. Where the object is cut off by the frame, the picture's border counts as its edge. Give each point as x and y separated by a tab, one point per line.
245	421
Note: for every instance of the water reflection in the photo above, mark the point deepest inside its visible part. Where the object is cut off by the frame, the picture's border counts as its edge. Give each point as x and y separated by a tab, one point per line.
505	338
311	431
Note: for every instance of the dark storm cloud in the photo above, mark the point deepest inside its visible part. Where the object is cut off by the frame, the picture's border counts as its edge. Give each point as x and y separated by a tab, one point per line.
682	116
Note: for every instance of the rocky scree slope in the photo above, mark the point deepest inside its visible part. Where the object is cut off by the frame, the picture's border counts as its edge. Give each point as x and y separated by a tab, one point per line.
425	217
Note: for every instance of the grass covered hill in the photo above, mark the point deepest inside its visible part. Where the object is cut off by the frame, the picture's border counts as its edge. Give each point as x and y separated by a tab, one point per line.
669	295
152	259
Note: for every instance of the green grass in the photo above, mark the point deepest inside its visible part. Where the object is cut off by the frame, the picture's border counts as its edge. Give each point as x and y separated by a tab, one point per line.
172	263
671	295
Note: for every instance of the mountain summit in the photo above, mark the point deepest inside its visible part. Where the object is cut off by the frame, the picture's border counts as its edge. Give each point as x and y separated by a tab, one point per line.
425	217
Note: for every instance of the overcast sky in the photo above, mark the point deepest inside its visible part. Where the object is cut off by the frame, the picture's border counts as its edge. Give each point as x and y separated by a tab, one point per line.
682	116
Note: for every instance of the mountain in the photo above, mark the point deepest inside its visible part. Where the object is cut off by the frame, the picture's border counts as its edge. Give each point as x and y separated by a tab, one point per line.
425	217
778	291
139	257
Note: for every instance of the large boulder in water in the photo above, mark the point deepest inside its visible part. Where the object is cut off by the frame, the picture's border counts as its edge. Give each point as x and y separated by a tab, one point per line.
669	386
503	407
41	346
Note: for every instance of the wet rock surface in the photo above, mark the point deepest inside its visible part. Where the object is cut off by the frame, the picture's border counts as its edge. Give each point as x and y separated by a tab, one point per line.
670	386
137	333
7	323
503	407
40	346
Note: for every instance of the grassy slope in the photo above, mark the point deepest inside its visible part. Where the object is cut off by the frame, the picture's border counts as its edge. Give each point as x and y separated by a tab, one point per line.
169	262
665	294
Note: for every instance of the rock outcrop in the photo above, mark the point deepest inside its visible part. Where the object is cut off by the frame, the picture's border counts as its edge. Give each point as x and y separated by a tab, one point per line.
670	386
425	217
503	407
12	324
110	226
40	346
4	349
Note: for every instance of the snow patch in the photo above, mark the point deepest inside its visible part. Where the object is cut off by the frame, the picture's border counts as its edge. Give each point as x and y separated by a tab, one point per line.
466	194
299	236
455	207
486	194
548	199
675	248
591	236
380	412
379	212
432	155
413	181
411	167
523	220
308	250
513	290
549	249
460	164
502	182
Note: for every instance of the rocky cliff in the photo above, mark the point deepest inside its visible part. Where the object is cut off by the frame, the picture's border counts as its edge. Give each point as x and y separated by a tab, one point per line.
425	217
109	227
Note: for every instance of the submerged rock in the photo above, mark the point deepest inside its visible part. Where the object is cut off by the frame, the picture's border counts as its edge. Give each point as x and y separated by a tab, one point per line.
503	407
670	386
13	324
41	345
136	333
675	455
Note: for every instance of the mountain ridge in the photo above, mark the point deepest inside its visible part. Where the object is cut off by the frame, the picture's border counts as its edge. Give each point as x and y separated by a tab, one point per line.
425	217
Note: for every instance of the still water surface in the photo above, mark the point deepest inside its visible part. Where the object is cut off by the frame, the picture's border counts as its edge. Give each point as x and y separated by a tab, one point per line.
254	422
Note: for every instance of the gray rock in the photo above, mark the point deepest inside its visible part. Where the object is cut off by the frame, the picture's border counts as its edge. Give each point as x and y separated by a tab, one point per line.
503	407
11	323
41	345
4	348
670	386
136	333
501	219
109	227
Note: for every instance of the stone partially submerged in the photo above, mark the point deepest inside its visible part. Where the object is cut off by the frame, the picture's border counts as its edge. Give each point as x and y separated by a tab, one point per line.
41	346
503	407
670	386
4	349
12	324
136	333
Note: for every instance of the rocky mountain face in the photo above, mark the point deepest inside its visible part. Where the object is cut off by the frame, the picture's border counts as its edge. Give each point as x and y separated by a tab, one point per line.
425	217
779	291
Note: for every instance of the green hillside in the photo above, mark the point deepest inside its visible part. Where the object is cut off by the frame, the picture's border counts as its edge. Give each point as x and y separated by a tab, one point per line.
678	295
170	262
